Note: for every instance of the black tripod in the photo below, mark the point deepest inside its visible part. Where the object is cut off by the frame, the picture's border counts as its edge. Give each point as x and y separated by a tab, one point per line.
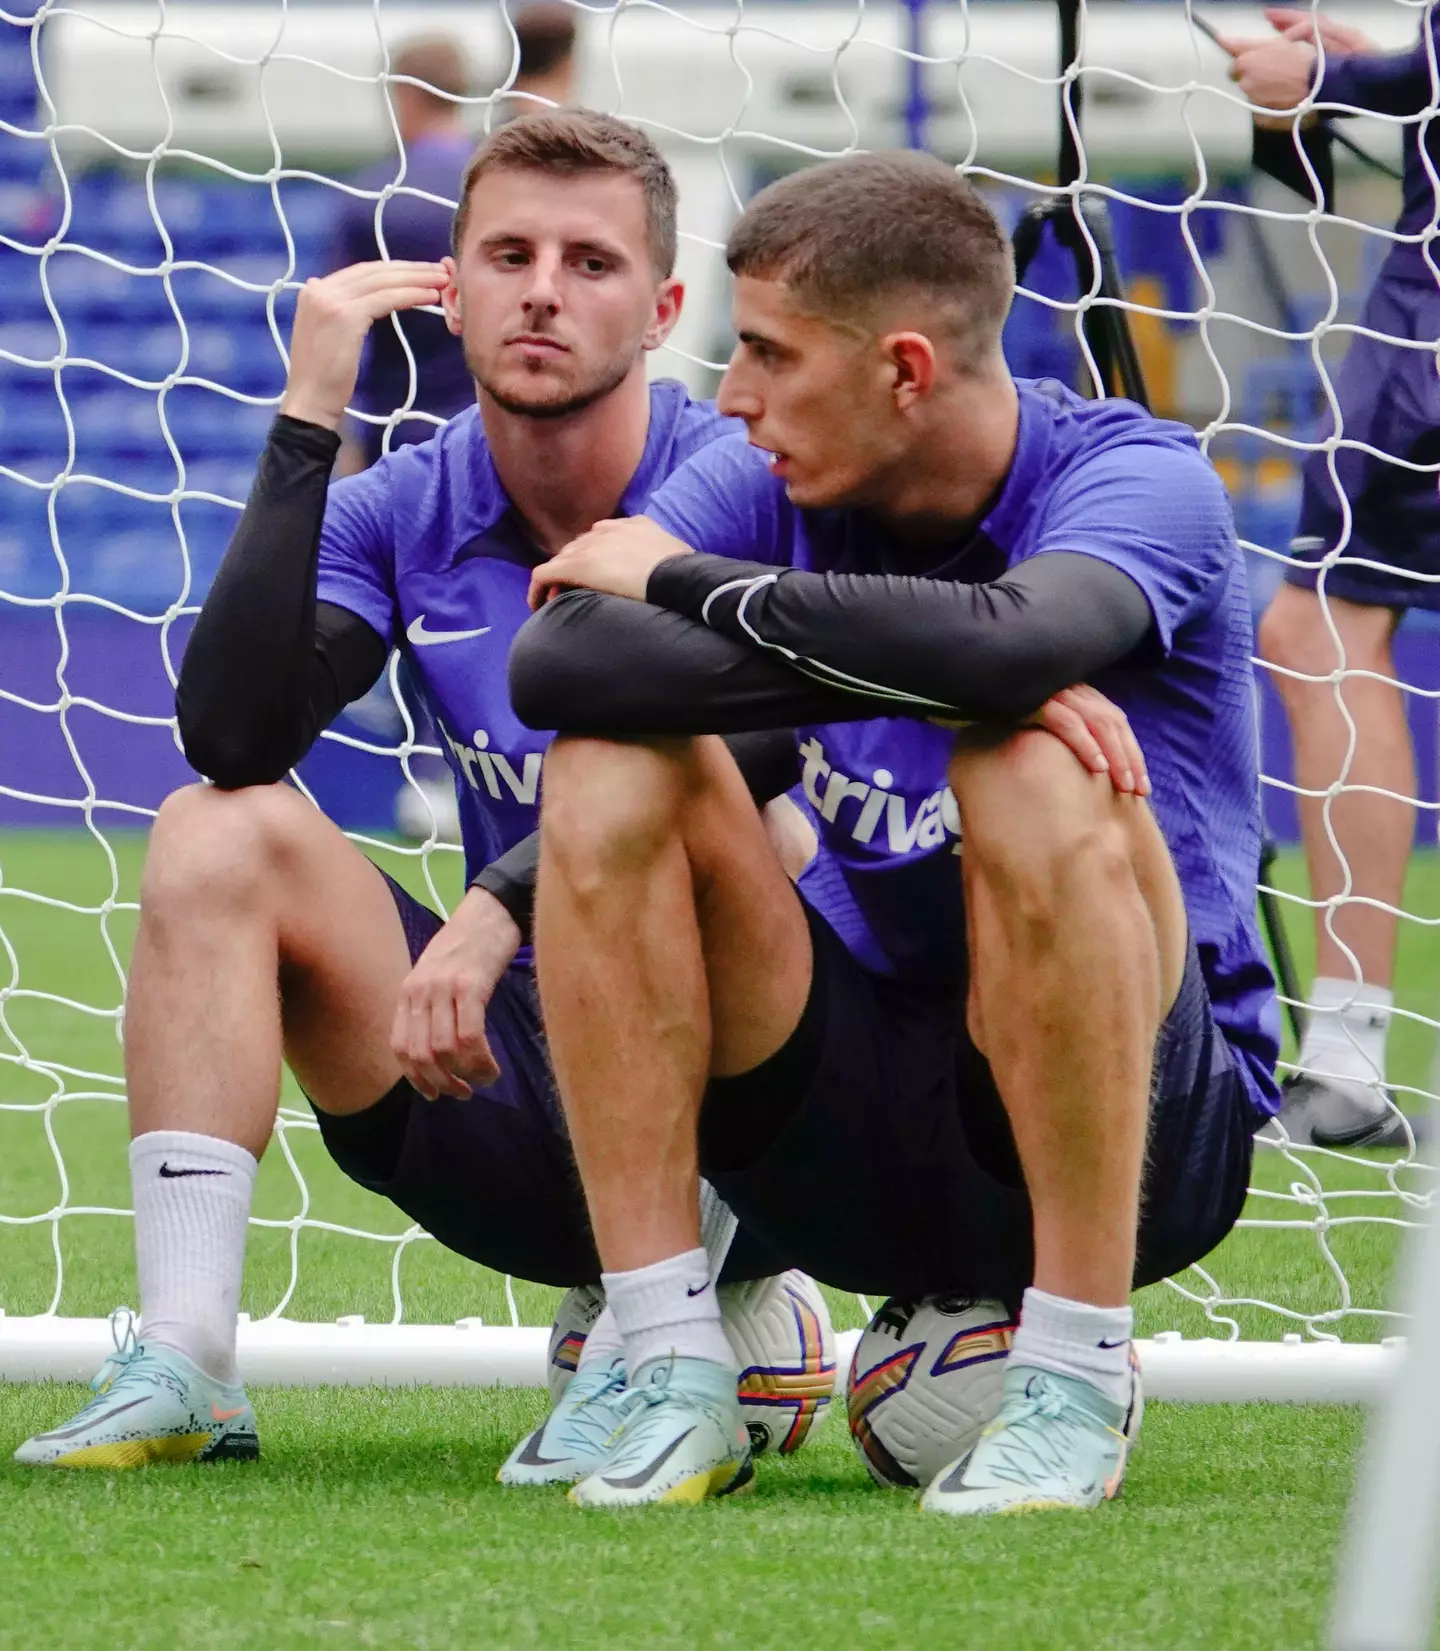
1081	225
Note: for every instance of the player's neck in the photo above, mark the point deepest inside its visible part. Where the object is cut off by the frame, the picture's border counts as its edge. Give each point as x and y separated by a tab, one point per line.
563	475
958	464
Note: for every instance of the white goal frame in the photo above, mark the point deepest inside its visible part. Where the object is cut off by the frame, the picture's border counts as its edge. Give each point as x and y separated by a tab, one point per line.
1200	111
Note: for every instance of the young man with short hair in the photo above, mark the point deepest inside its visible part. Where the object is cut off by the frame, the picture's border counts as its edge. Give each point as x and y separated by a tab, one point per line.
264	932
1016	1032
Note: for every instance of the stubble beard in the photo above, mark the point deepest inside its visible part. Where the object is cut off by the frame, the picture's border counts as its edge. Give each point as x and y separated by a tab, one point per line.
606	380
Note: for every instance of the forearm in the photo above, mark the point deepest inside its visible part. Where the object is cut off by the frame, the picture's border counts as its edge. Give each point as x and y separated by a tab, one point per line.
588	663
266	667
924	647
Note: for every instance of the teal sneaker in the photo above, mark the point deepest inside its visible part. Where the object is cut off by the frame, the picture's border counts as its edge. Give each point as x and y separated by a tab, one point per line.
151	1405
1056	1442
680	1439
575	1437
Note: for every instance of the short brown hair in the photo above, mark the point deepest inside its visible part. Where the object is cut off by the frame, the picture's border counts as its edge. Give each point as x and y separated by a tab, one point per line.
568	143
438	63
849	234
546	33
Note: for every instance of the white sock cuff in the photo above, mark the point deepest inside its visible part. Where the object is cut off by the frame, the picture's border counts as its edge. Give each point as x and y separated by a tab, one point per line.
1331	992
671	1291
1057	1318
182	1149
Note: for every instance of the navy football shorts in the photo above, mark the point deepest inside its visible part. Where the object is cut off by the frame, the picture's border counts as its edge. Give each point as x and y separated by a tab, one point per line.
874	1148
492	1177
1389	397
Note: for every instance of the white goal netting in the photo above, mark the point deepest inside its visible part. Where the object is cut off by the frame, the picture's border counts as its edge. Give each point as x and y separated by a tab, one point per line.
169	175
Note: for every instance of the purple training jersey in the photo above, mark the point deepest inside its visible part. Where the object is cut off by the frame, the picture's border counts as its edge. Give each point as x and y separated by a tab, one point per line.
425	548
1105	479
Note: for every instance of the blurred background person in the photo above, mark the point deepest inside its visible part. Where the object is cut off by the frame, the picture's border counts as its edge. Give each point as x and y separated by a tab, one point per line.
429	79
1385	521
546	32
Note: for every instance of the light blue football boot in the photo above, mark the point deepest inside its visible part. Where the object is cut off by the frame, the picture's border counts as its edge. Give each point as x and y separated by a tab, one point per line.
151	1404
575	1437
1056	1442
680	1439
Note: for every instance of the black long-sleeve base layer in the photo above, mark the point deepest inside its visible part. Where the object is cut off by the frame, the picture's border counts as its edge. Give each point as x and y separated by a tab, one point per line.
722	646
268	666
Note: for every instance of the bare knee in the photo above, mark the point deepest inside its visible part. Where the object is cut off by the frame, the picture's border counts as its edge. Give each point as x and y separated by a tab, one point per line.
1038	827
212	848
1296	635
609	806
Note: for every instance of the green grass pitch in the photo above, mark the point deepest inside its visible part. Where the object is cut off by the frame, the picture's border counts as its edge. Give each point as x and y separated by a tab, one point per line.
373	1518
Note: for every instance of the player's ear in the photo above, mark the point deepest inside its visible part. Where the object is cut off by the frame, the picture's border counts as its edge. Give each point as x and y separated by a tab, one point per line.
669	301
911	359
450	297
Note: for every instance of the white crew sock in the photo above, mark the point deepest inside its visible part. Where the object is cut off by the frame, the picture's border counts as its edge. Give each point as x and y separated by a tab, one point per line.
1072	1338
1346	1030
668	1308
192	1203
603	1342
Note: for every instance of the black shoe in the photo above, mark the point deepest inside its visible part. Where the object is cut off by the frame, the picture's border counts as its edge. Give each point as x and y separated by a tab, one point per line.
1336	1112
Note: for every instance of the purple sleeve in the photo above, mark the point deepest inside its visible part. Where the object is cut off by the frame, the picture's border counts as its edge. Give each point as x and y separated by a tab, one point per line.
1384	83
725	502
1160	515
357	550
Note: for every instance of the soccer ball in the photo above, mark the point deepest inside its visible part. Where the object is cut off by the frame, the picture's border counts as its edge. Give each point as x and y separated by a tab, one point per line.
780	1331
574	1320
924	1381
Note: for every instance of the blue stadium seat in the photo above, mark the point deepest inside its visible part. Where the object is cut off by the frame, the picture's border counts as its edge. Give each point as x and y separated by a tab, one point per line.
27	563
1281	392
115	424
32	424
28	213
209	425
89	287
228	478
204	296
20	282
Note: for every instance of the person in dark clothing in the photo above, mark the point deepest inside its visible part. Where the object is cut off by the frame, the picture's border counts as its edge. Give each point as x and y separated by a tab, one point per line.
1366	550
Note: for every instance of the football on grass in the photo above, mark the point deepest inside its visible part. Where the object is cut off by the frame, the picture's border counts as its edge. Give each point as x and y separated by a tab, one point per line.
924	1381
780	1331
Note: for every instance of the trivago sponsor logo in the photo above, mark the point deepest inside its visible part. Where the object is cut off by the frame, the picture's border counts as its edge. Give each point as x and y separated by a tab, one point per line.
872	812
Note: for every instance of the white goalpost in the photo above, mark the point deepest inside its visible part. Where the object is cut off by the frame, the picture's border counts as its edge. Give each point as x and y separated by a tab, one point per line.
167	172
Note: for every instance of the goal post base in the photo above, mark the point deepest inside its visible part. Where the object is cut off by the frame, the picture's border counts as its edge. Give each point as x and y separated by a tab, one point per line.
352	1353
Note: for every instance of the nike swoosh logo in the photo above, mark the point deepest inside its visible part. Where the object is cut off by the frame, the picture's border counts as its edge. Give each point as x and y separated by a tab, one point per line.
530	1457
168	1174
95	1421
697	1289
226	1415
419	637
1123	1341
646	1474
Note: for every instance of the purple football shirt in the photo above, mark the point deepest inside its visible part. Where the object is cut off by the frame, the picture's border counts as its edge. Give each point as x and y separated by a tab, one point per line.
1104	479
425	548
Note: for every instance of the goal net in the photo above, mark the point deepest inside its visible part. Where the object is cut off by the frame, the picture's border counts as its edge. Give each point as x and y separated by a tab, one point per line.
169	173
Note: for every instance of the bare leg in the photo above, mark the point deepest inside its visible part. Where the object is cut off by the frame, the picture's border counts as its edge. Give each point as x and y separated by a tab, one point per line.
262	931
671	947
1373	833
1077	941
